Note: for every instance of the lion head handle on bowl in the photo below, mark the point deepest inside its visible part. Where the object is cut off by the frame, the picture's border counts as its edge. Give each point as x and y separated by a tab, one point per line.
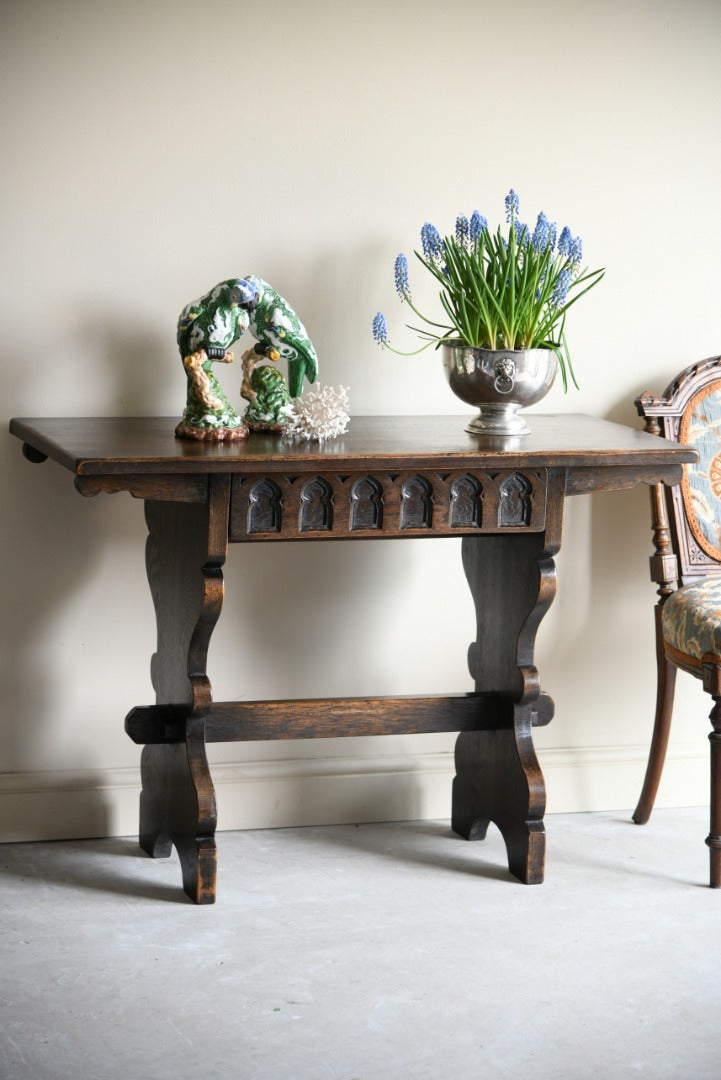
505	372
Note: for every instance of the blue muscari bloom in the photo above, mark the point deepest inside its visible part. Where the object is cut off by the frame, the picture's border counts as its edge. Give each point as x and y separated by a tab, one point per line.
565	242
431	241
478	225
463	229
512	205
401	276
560	289
380	329
521	231
576	250
552	232
541	233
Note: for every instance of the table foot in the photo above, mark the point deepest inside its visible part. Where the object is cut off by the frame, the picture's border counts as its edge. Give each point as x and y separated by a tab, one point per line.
498	780
177	808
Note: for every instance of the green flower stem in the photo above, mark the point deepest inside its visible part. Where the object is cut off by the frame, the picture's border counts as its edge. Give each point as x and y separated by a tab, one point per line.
567	358
420	315
413	352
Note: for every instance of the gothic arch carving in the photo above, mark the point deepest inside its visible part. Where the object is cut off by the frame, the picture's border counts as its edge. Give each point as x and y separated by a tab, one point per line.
264	507
316	506
466	502
514	507
416	503
366	508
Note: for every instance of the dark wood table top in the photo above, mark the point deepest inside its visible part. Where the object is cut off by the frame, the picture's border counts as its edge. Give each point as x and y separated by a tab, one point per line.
95	446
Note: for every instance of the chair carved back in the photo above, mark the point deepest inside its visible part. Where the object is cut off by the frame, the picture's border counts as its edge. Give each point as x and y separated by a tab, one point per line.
687	518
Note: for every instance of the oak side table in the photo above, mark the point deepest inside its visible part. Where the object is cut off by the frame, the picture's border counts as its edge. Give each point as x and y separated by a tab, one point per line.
388	477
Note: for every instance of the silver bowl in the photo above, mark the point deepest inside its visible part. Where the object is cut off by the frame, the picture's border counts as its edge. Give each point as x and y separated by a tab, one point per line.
498	382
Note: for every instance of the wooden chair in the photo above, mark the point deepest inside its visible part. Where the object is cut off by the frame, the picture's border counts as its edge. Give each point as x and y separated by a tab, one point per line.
687	568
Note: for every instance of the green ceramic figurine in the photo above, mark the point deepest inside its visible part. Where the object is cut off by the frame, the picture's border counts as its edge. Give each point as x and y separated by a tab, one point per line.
266	390
206	330
279	333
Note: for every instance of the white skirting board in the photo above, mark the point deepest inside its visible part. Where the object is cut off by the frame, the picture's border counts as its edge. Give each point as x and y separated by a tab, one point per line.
335	790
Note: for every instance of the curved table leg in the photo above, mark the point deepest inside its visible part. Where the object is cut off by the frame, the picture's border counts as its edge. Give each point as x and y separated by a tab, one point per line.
498	778
185	552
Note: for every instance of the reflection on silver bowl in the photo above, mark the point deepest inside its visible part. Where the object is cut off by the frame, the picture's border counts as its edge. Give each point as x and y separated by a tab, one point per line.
498	382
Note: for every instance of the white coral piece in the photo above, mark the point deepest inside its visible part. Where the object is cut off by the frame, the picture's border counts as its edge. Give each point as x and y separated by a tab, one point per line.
319	414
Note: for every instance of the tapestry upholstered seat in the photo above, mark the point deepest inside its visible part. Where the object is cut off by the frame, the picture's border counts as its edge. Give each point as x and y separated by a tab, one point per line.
692	621
687	569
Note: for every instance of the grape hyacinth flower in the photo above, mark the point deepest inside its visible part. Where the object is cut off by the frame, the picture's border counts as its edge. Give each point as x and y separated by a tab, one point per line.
403	287
431	242
560	289
477	226
541	233
565	242
380	329
513	204
463	229
576	250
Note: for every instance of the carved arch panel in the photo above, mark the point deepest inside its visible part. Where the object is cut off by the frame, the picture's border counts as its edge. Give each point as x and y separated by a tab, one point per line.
466	502
290	505
514	504
416	503
366	505
316	506
264	507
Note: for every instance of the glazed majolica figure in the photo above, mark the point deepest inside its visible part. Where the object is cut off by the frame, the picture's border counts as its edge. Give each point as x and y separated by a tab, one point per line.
266	390
206	330
279	334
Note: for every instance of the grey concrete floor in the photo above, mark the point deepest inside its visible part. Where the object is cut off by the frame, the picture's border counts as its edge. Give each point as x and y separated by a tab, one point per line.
367	952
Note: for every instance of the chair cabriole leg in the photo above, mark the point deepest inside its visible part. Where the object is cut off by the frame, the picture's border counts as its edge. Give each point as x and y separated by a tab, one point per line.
714	838
665	687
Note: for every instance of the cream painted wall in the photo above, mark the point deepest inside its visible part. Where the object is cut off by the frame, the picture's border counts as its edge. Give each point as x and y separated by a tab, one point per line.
151	149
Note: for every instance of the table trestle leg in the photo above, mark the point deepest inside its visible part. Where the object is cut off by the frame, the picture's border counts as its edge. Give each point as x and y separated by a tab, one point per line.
185	552
498	777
